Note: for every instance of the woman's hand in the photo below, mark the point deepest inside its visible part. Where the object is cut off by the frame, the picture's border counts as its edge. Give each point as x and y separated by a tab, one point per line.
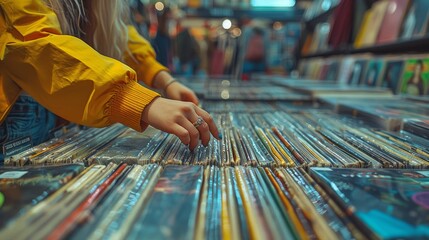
172	89
181	119
178	91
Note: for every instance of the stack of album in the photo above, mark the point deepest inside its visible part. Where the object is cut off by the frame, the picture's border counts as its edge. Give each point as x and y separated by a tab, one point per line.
388	113
317	89
250	138
384	204
22	188
124	188
128	147
75	146
223	89
121	201
238	106
229	90
282	170
300	106
417	127
420	99
322	139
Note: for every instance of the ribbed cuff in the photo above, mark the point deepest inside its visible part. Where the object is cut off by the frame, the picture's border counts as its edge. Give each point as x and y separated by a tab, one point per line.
128	104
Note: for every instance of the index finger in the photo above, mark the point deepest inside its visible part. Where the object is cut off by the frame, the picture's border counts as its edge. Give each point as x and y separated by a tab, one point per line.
209	120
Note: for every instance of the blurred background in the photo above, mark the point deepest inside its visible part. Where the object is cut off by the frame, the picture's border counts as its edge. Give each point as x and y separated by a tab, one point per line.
217	37
352	42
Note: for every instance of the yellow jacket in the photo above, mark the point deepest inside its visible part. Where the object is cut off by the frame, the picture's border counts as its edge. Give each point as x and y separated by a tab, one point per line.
66	75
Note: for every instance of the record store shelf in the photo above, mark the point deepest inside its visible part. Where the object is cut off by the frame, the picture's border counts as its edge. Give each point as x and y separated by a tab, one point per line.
415	45
281	171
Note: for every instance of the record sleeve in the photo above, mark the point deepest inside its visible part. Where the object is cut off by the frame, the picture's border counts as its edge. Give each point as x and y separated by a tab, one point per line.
391	77
385	203
415	77
374	71
421	16
24	187
345	69
172	206
371	24
390	27
114	215
357	72
417	126
338	224
127	147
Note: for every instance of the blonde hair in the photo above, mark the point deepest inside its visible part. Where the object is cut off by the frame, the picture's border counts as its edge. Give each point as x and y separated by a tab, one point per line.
100	23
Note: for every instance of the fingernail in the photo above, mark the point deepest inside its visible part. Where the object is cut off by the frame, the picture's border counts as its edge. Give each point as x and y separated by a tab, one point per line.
220	135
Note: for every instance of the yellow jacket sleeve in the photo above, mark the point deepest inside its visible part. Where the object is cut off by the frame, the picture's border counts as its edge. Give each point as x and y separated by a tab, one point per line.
63	73
142	57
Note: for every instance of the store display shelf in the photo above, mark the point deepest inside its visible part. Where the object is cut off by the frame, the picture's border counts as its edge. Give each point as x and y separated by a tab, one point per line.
400	46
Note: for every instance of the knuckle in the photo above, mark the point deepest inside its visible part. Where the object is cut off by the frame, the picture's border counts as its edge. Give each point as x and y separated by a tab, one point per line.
188	107
183	135
177	117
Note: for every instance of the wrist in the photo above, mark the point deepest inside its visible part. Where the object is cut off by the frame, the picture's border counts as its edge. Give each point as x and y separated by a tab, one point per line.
161	79
144	119
167	84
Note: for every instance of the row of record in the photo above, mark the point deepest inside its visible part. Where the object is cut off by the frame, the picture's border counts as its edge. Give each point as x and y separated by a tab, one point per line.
360	24
260	134
262	89
121	201
402	74
283	170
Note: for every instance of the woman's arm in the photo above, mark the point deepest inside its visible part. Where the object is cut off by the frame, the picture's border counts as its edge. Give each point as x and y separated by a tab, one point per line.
142	59
65	74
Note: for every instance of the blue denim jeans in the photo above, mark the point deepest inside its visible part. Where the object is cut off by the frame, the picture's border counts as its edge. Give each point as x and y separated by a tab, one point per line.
27	118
